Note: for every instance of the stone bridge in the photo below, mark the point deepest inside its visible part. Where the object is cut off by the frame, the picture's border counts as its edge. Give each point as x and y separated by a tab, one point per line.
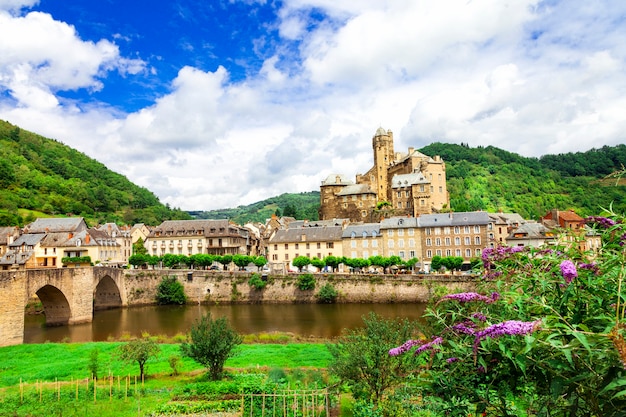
68	296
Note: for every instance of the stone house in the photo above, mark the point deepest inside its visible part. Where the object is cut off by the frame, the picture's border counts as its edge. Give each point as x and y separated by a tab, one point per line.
401	236
362	240
189	237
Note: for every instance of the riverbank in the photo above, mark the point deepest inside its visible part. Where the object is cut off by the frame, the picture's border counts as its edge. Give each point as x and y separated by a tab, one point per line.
219	287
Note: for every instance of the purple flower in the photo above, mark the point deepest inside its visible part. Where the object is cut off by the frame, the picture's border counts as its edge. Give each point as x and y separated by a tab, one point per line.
479	316
568	269
465	327
593	267
466	297
452	360
510	327
404	348
429	346
601	221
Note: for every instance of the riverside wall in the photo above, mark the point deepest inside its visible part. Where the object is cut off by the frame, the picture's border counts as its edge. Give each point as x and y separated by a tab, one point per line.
218	287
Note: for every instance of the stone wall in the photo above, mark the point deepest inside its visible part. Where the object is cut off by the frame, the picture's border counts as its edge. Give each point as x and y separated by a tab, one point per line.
219	287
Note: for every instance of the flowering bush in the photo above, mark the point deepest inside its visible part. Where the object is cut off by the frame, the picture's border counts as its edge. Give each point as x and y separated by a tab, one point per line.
545	329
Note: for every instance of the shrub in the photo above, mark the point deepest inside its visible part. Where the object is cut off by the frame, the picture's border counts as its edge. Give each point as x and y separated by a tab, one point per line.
306	282
170	291
140	351
211	343
256	282
327	294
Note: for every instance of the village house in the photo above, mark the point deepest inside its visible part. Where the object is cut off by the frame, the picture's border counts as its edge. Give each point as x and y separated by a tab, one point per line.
401	237
190	237
362	240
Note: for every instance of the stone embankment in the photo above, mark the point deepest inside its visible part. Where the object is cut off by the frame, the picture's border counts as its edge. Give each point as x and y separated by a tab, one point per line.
218	287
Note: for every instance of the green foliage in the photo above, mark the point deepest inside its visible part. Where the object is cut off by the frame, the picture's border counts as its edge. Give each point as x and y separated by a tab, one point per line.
211	343
306	282
259	261
76	260
170	291
139	351
256	282
94	363
301	206
42	174
327	294
301	261
174	362
360	357
545	329
139	248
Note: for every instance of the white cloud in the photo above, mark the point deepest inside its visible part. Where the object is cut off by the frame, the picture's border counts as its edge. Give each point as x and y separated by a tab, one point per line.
526	76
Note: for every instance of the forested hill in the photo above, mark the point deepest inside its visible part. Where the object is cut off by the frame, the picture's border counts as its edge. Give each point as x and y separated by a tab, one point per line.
301	206
42	177
491	179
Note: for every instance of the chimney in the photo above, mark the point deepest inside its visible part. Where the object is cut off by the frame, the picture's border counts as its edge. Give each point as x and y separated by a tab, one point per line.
87	239
70	235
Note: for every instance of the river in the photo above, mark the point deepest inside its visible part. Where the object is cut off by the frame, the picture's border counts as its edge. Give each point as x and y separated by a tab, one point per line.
317	320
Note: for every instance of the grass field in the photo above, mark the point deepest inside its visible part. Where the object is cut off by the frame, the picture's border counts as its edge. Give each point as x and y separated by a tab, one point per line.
52	379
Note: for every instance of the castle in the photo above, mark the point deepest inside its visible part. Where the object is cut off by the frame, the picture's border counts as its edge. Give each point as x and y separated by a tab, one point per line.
398	184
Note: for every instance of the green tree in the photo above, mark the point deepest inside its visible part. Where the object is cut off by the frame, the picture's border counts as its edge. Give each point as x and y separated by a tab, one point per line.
436	263
139	351
327	294
170	291
305	282
301	261
332	261
211	343
139	248
259	261
360	358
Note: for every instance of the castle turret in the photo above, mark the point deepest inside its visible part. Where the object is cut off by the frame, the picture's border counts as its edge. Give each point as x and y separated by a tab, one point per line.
382	143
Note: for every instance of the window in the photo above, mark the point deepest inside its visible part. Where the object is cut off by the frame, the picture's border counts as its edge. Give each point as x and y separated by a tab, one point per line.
466	229
467	240
411	243
401	254
468	253
399	204
411	232
458	252
437	230
365	244
429	242
438	252
352	235
457	241
446	230
286	256
353	243
428	231
401	243
447	241
329	245
476	229
411	254
365	254
286	246
400	232
406	193
448	252
319	245
390	232
307	246
390	243
429	253
477	240
421	188
374	243
297	246
438	241
364	235
479	253
274	257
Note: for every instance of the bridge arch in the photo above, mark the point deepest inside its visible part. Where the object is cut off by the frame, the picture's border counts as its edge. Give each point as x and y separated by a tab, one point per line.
106	294
55	305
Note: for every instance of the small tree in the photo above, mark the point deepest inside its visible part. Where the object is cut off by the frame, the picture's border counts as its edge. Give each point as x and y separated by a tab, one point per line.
170	291
300	262
260	261
211	342
327	294
306	282
94	363
139	248
361	357
140	351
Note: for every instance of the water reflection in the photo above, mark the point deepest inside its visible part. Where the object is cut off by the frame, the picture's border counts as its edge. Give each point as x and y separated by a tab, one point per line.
318	320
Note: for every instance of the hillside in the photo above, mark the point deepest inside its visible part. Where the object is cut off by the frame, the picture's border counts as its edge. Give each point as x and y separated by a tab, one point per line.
300	206
41	177
492	179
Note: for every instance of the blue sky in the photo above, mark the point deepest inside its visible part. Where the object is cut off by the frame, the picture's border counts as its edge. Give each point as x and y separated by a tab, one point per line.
213	104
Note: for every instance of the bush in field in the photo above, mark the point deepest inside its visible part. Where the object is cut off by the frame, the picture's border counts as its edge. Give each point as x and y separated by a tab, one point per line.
546	327
139	351
170	291
94	363
210	343
360	357
327	294
305	282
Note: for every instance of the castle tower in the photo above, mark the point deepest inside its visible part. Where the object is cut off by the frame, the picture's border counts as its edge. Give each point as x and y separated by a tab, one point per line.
382	142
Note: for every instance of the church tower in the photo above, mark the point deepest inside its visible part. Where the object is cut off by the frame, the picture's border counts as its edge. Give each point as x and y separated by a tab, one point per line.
382	142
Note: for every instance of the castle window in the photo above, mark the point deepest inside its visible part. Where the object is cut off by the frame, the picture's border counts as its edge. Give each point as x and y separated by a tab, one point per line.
399	204
438	241
477	240
467	240
363	213
476	229
421	188
457	241
428	242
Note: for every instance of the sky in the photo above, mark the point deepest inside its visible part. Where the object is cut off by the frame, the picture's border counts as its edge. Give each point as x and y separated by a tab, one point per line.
219	103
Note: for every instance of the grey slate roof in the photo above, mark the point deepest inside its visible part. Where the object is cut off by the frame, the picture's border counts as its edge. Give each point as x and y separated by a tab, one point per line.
70	224
311	234
337	179
400	222
406	180
356	189
530	230
468	218
368	228
29	239
507	218
318	223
